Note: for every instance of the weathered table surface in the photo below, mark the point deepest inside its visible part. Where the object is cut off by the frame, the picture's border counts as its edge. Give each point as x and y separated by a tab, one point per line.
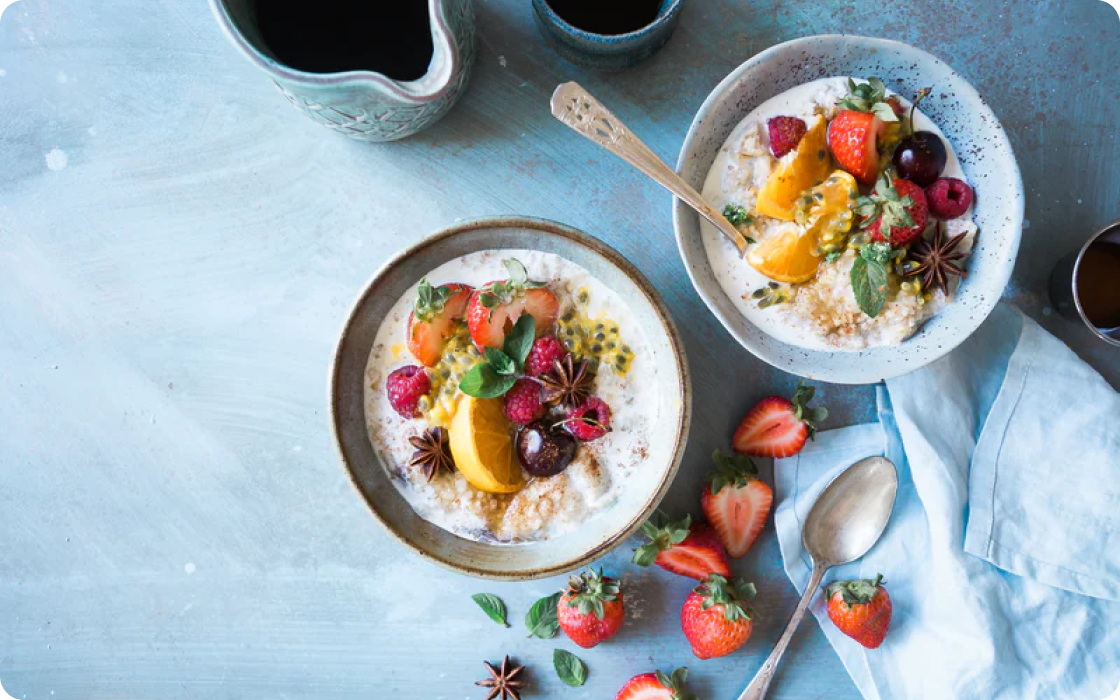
177	250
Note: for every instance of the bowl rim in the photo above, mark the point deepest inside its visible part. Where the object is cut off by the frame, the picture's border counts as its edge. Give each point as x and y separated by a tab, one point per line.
1001	277
684	384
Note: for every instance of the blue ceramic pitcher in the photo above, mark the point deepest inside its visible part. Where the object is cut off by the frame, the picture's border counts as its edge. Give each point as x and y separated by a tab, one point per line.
363	104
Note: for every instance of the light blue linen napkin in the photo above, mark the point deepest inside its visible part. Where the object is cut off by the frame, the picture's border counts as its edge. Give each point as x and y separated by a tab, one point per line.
1002	558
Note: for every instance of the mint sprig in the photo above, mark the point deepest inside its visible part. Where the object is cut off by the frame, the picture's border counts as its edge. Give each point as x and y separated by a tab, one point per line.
569	668
541	620
493	606
870	277
500	369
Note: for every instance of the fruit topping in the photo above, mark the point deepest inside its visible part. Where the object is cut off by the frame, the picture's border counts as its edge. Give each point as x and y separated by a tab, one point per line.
827	210
871	97
593	339
496	307
568	383
591	610
779	427
860	609
870	276
773	293
482	448
433	318
684	548
737	214
504	683
545	450
808	166
736	502
921	156
853	138
948	197
405	386
545	351
937	260
895	213
790	255
715	617
657	686
589	420
523	402
431	453
499	370
785	134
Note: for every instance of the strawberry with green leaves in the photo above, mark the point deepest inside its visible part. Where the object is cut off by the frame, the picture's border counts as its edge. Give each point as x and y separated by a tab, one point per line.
433	318
779	427
861	609
895	213
591	610
683	547
495	308
715	617
657	686
736	502
854	133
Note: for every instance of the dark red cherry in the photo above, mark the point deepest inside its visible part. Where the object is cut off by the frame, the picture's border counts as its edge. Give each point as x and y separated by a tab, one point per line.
545	450
921	157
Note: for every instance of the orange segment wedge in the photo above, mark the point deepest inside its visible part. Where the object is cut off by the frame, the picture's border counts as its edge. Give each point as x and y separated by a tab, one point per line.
788	256
796	172
482	448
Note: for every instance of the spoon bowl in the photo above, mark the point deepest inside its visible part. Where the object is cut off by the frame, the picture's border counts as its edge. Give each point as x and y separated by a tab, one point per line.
851	513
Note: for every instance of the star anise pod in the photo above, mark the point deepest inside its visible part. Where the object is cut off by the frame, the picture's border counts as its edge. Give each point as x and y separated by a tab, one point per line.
568	382
937	259
503	682
431	452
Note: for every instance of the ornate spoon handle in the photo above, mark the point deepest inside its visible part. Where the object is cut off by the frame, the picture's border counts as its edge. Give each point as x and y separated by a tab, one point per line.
576	107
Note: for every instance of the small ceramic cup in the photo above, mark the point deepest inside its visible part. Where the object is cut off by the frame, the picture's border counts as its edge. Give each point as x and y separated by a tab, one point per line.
606	50
1065	291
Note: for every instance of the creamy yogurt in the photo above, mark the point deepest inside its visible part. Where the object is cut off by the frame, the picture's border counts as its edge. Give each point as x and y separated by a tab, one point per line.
546	507
823	314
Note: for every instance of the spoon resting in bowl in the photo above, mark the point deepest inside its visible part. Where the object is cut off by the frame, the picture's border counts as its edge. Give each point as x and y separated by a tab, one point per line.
576	108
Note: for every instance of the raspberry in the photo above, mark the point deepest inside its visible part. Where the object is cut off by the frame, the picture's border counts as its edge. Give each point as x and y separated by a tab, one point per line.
590	420
785	134
545	351
523	402
949	197
405	386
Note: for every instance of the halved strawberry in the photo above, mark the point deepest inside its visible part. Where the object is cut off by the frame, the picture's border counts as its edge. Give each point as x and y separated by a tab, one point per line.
495	307
778	427
433	318
736	502
853	138
657	686
684	548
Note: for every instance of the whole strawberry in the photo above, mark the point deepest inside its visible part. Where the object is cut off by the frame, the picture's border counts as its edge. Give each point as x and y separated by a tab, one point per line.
736	502
779	427
715	617
657	686
683	547
860	609
591	610
895	213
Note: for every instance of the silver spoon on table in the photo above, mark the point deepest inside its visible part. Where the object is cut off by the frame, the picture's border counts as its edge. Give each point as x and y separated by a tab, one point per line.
576	107
845	522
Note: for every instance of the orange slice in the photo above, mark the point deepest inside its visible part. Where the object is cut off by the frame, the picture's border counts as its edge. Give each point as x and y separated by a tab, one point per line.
789	256
481	445
796	172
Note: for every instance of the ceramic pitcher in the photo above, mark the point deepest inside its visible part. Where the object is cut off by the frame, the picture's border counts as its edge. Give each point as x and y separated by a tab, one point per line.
363	104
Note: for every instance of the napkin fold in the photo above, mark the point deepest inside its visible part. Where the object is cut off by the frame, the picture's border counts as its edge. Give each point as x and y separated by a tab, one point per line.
1002	557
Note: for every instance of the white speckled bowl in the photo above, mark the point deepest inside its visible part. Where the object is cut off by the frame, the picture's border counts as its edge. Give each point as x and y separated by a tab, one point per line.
599	534
980	144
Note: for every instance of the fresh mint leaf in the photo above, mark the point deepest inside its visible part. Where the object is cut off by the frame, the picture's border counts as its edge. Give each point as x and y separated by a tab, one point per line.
569	668
869	285
500	362
482	382
737	215
493	606
833	256
519	341
541	619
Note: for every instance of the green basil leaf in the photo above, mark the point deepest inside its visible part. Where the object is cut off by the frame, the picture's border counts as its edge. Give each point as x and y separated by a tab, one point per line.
541	618
499	361
493	606
569	667
519	341
869	285
482	382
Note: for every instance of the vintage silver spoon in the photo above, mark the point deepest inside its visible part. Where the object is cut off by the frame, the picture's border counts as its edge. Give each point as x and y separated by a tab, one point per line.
845	522
576	107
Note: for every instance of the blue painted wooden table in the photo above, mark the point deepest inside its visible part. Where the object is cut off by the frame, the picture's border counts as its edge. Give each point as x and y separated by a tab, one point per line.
178	248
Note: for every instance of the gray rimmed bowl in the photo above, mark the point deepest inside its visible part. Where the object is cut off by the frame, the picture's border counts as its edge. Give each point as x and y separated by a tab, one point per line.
977	138
598	535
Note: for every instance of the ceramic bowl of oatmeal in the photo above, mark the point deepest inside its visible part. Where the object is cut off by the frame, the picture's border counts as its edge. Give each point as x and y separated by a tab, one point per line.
510	397
881	232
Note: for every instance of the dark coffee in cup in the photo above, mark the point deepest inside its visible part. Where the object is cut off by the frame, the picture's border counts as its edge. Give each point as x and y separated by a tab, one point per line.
1086	284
